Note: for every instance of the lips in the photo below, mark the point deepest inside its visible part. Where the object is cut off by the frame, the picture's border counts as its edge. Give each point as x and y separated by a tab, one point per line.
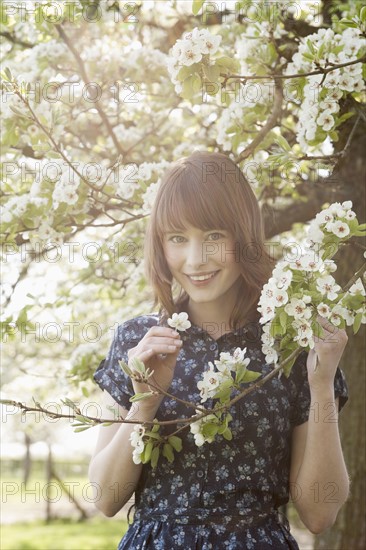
208	277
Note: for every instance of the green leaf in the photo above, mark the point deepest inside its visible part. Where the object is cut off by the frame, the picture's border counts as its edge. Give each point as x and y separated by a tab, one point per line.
228	63
354	302
222	429
156	427
357	323
285	341
137	364
82	429
187	90
363	14
240	373
283	143
140	396
343	117
126	369
283	320
83	419
8	74
212	73
348	23
155	457
196	6
227	434
287	368
147	451
250	376
209	430
175	442
168	452
196	83
153	436
184	72
308	56
310	46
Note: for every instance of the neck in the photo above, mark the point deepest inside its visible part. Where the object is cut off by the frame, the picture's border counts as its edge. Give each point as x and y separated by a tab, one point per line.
210	317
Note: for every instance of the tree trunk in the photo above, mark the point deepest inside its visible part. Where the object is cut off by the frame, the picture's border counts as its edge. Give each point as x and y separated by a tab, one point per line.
349	528
27	463
49	468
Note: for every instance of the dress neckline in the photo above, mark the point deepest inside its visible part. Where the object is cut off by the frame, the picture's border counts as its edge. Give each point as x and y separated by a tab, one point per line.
252	326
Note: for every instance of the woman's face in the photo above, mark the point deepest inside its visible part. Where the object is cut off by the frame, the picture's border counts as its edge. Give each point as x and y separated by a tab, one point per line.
211	254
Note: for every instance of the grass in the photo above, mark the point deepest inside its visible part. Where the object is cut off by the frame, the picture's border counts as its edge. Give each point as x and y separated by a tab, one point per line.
94	534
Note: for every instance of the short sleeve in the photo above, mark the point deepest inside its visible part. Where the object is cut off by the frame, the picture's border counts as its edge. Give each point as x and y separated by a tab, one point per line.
109	376
300	402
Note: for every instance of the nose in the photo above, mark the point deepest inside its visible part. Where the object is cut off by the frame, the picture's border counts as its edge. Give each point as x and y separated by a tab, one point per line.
196	254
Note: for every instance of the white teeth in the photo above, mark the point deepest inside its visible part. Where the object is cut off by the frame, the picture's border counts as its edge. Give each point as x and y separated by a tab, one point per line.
203	277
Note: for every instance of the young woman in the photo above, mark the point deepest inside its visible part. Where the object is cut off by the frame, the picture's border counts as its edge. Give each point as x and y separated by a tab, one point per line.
205	255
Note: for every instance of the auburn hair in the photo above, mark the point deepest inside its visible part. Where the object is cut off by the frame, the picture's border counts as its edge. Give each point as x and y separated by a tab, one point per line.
208	191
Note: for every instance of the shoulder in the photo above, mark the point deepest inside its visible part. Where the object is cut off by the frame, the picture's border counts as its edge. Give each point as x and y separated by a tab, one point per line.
137	326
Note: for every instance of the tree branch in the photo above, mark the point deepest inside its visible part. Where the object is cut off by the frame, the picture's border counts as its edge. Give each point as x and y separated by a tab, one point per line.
86	79
271	122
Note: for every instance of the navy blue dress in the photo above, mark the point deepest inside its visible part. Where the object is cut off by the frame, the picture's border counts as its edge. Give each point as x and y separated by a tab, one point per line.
223	495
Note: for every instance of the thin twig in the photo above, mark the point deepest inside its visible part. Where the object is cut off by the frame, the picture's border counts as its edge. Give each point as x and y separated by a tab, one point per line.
185	421
298	75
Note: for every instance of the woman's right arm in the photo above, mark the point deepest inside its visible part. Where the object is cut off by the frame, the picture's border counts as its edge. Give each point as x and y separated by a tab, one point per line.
111	467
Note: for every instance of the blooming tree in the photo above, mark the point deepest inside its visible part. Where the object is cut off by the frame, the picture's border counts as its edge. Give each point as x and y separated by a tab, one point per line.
98	97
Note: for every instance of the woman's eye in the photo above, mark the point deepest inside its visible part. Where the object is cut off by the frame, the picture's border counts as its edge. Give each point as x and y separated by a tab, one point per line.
176	237
216	236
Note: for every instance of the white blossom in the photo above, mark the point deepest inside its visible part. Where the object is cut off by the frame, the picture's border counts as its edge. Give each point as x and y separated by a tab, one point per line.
328	287
339	228
357	287
210	383
179	321
323	310
271	355
326	121
150	195
136	438
196	428
297	308
230	362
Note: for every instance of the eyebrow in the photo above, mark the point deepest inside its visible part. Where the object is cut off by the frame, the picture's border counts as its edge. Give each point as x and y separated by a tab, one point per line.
183	230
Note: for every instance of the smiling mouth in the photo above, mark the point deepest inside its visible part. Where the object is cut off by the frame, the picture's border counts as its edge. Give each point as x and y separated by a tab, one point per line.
203	278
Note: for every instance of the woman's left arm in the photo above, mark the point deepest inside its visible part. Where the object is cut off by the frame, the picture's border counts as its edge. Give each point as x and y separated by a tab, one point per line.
319	482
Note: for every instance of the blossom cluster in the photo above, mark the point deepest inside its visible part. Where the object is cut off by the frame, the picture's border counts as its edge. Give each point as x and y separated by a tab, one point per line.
218	384
334	220
190	50
149	444
137	442
318	112
300	290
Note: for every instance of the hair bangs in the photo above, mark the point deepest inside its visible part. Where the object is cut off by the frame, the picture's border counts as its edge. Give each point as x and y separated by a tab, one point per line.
188	200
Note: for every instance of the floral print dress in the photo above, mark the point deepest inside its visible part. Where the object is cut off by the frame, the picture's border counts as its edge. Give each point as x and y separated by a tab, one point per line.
223	495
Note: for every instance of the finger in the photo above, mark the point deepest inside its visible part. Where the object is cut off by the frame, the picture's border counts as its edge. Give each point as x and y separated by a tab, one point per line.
162	349
326	324
162	331
155	341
